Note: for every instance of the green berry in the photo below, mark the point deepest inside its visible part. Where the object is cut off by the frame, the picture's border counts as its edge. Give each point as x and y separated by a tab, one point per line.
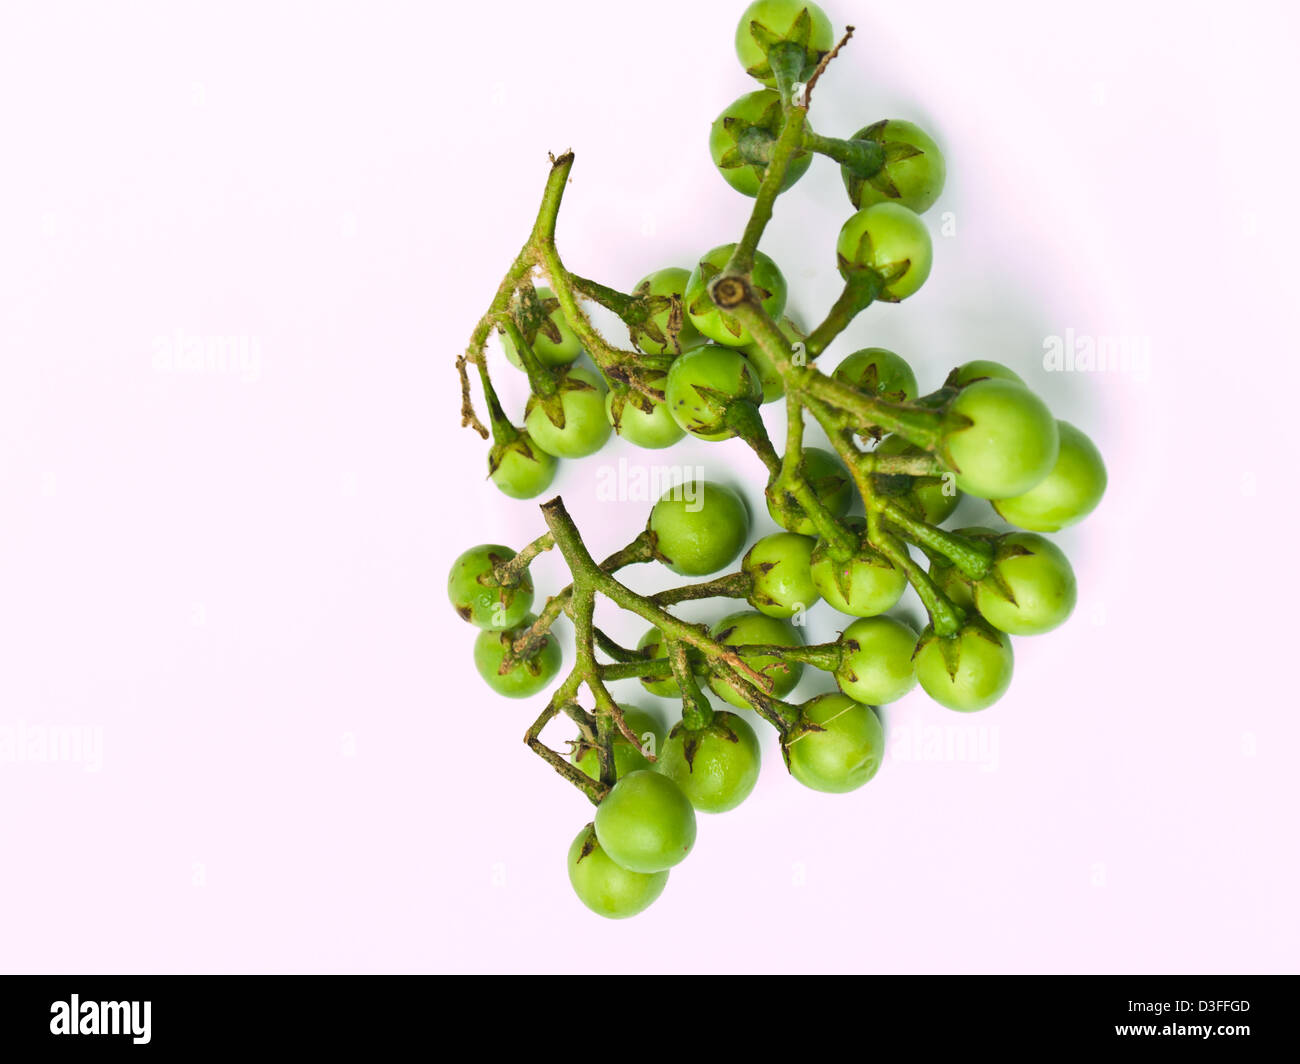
747	628
606	888
876	660
554	343
582	428
476	595
1068	494
520	468
717	766
525	678
913	172
968	671
837	745
780	567
699	527
645	824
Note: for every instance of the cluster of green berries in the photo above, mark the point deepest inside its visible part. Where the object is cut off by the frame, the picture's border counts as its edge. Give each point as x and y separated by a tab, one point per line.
699	359
982	433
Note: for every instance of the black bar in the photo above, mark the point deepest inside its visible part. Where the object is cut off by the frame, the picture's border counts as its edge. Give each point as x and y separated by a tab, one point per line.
385	1013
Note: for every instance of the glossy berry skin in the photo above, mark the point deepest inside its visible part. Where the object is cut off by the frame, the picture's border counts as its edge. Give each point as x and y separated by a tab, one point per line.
521	469
555	343
1011	444
890	241
667	687
838	745
603	886
477	599
627	757
966	672
780	567
829	481
1068	494
768	374
646	824
643	421
980	369
699	527
766	21
913	173
702	383
585	428
864	586
876	660
716	767
527	678
932	499
670	281
878	371
1031	589
766	279
747	628
745	132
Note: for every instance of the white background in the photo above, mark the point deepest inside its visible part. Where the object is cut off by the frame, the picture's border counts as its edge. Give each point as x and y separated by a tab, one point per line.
239	578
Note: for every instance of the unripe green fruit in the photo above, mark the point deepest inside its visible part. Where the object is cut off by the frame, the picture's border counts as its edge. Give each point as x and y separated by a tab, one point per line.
627	756
478	598
699	527
780	567
913	177
526	678
606	888
555	344
1068	494
702	384
1031	588
966	672
837	746
585	427
865	585
521	469
1011	442
641	420
876	660
645	823
747	628
766	22
890	241
716	767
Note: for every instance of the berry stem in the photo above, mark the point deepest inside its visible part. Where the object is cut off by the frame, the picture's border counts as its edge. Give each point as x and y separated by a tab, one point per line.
825	656
640	550
944	616
593	789
509	573
971	556
542	381
783	152
586	573
916	425
863	157
733	585
745	421
860	291
696	711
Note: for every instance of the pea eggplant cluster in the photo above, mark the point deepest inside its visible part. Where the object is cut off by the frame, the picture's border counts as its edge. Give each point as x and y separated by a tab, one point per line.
708	345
